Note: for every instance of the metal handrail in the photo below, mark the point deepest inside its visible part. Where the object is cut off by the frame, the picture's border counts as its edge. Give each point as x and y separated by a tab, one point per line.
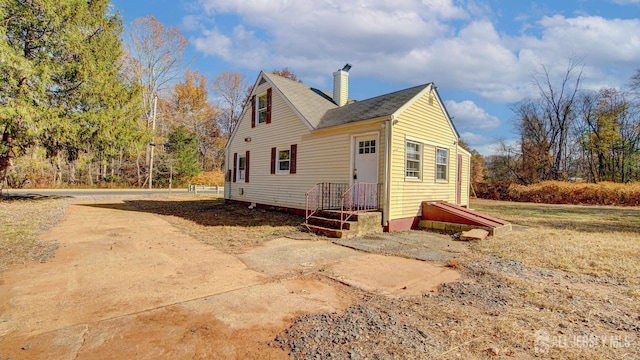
360	197
313	193
350	200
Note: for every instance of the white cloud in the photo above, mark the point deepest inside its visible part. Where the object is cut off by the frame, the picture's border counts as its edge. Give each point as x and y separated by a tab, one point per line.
474	139
467	115
213	42
241	46
327	33
483	144
191	22
417	41
605	46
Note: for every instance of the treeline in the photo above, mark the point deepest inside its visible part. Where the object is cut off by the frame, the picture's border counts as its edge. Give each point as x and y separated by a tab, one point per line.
567	133
574	146
85	104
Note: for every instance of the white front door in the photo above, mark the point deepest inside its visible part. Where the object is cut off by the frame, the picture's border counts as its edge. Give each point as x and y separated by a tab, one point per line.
365	172
366	159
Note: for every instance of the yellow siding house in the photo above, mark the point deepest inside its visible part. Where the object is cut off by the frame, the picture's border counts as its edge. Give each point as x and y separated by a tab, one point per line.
296	148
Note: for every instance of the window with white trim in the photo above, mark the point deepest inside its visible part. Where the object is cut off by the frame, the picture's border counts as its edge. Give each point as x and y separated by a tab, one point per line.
261	111
413	160
242	167
284	161
442	156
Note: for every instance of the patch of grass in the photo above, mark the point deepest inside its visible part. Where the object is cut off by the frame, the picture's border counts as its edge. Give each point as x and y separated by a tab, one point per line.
21	220
587	240
574	217
230	228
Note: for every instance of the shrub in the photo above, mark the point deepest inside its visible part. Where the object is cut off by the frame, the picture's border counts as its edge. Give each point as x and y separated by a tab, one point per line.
209	178
559	192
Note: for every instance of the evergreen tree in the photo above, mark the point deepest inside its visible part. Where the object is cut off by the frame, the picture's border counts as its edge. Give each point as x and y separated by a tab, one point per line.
183	152
60	85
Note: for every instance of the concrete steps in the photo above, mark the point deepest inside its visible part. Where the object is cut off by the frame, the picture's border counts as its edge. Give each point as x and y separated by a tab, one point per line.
327	223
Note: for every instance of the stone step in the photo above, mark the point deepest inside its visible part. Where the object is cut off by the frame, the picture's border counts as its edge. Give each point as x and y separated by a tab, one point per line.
335	214
331	223
320	230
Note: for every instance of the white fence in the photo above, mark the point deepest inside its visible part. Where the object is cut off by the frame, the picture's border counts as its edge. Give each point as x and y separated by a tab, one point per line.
205	188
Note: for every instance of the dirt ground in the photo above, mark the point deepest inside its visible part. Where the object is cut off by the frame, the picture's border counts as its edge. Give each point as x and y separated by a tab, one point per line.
128	284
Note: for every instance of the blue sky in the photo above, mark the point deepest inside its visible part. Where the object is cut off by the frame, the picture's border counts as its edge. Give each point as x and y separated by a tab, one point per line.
482	54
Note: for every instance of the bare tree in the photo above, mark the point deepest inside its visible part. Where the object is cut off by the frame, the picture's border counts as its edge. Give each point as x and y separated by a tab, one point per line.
156	56
635	82
558	107
545	125
231	89
155	61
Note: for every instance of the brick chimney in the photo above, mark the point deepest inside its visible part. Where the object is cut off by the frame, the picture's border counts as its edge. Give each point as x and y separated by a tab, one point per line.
341	85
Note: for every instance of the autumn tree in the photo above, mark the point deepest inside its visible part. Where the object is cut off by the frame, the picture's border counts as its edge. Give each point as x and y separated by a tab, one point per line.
286	73
189	106
610	136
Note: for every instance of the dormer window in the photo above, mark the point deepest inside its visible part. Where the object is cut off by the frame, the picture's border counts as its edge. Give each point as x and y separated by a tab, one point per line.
262	109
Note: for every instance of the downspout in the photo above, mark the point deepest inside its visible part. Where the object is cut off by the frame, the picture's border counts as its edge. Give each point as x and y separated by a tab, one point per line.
226	171
387	172
469	183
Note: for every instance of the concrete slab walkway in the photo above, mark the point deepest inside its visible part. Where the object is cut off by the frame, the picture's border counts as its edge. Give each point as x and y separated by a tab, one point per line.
127	284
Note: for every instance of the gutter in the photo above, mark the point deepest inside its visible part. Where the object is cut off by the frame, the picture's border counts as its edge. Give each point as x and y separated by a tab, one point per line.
354	124
226	166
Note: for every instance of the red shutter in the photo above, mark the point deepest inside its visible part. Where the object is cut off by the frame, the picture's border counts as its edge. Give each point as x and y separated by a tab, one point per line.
294	155
269	106
246	167
273	160
235	166
253	111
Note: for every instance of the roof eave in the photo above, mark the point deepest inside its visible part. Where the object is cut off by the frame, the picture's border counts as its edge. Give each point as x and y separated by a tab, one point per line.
354	123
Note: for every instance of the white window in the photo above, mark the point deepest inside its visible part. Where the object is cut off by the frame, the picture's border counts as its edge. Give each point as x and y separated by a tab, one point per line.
413	160
284	161
242	167
442	156
261	112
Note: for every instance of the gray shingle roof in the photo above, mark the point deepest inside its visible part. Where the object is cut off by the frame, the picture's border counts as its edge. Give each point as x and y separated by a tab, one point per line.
318	108
379	106
311	103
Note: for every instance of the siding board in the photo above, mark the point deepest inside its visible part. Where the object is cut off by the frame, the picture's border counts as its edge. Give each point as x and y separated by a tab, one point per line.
424	120
320	157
